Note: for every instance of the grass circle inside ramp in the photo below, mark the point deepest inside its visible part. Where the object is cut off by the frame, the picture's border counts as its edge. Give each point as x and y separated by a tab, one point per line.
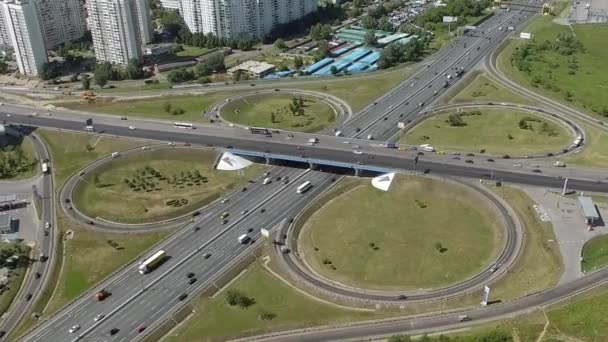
281	110
423	233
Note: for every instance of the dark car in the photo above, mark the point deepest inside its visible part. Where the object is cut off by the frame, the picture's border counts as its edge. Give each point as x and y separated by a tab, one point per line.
141	329
123	118
244	189
470	155
182	296
402	297
196	213
192	281
468	161
457	158
262	210
249	230
196	229
37	275
490	160
28	297
190	275
114	331
206	256
537	171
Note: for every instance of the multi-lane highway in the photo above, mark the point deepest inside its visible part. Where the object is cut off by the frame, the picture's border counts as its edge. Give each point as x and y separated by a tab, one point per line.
44	245
143	300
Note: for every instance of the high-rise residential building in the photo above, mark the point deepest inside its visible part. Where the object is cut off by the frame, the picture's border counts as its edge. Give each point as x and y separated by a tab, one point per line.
170	4
115	29
5	40
62	21
143	20
242	18
23	25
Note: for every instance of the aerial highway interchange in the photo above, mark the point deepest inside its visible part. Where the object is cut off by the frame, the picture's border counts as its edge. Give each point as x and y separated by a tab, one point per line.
145	300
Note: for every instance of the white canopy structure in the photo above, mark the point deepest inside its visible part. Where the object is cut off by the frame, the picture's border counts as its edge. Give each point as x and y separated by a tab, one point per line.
231	162
383	182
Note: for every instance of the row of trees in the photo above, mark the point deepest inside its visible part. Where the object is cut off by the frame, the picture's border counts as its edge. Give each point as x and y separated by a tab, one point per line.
107	71
14	161
399	53
458	8
214	63
210	41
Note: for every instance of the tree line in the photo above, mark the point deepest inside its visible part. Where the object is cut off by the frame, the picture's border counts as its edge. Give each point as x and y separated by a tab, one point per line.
398	53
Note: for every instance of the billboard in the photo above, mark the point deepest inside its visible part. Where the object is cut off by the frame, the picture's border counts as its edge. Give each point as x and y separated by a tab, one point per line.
265	233
449	19
485	296
525	35
383	182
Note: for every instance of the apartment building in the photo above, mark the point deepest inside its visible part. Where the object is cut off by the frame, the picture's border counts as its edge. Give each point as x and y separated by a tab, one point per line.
62	21
116	30
22	22
242	18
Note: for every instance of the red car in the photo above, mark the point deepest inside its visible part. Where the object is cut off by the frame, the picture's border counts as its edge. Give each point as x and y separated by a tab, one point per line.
141	329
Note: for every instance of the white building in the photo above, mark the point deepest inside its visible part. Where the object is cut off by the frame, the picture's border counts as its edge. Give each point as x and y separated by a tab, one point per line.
143	20
253	69
242	18
23	25
5	40
170	4
62	21
115	29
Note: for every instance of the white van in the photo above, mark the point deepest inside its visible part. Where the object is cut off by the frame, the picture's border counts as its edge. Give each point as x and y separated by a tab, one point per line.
243	239
115	154
267	180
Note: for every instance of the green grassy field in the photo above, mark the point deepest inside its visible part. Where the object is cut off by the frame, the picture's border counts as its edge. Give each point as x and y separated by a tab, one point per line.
16	275
358	92
25	157
483	89
496	131
595	153
595	253
194	106
391	237
272	110
572	79
215	320
90	257
113	199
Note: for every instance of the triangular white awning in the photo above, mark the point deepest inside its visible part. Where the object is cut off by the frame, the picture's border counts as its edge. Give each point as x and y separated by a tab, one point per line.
383	182
231	162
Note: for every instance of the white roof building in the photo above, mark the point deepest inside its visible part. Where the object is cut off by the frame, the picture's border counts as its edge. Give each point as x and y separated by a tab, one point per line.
254	68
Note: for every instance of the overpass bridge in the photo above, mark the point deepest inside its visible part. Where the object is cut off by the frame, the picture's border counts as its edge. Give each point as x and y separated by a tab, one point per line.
313	163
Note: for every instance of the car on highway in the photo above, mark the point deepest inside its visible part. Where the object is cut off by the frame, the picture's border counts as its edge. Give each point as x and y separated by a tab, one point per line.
263	210
490	160
196	228
190	275
357	152
28	297
494	268
469	161
74	328
402	297
191	281
99	317
182	296
123	118
244	211
463	318
249	230
114	331
37	275
224	221
47	225
206	256
141	329
456	157
132	128
225	200
536	171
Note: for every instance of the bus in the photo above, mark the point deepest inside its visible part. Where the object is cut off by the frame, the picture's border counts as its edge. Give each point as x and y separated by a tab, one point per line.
45	167
304	187
152	262
183	125
259	130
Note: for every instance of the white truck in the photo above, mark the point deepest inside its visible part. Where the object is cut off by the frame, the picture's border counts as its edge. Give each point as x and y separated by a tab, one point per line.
243	239
312	141
427	148
559	164
267	180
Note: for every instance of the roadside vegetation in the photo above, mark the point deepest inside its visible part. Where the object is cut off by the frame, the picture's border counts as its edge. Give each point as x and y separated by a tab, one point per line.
402	239
561	62
595	254
254	304
285	111
493	131
14	261
483	89
156	185
595	151
18	160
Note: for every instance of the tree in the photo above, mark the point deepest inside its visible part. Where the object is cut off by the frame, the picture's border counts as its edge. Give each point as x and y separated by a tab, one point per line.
216	62
279	44
3	67
102	73
298	62
370	38
50	70
134	69
455	120
86	82
320	32
369	22
167	107
202	69
237	75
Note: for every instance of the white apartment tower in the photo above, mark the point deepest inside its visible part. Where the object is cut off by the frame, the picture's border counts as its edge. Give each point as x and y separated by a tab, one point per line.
115	29
62	21
170	4
5	40
23	26
238	18
143	20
